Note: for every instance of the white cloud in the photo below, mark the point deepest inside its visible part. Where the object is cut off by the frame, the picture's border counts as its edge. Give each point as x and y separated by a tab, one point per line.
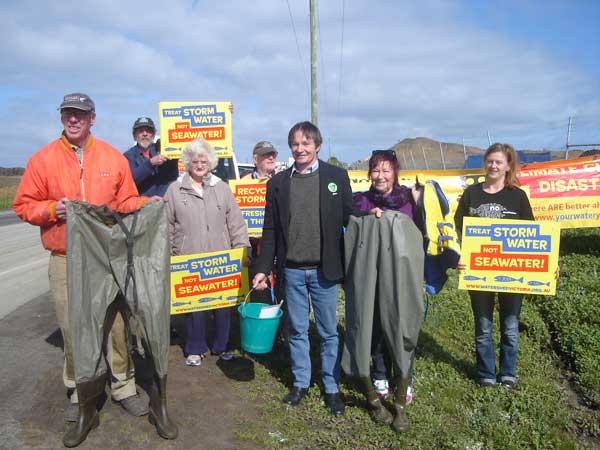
408	70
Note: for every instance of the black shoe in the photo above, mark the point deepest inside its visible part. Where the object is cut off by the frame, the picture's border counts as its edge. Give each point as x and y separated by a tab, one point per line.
486	382
335	404
508	383
294	396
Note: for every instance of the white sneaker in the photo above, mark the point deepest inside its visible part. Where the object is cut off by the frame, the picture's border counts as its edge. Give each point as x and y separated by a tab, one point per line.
382	388
409	395
193	360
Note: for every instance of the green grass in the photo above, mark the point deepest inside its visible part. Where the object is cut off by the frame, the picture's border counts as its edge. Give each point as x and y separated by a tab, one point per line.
8	189
449	410
573	318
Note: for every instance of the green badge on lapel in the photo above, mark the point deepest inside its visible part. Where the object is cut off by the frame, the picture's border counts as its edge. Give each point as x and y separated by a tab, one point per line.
332	187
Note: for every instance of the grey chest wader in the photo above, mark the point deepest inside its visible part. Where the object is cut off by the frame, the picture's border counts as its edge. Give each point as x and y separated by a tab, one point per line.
117	262
384	260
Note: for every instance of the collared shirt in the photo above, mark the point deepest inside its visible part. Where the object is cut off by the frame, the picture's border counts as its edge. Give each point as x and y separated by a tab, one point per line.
256	177
311	169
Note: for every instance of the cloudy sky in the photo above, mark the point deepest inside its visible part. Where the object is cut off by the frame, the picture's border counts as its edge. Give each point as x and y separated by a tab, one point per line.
388	69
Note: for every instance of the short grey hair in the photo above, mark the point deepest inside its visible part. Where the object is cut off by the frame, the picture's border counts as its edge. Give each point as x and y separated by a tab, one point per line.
196	148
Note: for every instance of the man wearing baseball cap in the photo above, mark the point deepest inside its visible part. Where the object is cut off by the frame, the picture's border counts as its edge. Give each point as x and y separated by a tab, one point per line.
79	167
265	160
151	171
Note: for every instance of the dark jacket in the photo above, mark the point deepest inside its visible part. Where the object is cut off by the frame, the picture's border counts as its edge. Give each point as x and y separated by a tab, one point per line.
335	205
150	180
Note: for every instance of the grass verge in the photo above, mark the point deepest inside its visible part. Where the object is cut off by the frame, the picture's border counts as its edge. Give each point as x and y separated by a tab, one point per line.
449	411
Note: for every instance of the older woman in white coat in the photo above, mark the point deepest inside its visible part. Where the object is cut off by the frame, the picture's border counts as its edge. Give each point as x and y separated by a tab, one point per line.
204	217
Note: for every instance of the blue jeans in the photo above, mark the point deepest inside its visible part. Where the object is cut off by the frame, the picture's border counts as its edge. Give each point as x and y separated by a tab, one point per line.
482	304
299	284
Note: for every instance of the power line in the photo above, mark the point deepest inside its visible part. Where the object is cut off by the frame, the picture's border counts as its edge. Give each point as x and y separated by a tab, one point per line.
322	71
298	45
341	57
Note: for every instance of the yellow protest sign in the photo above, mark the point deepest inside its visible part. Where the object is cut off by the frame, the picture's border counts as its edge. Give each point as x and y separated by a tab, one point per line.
182	122
251	198
517	256
208	280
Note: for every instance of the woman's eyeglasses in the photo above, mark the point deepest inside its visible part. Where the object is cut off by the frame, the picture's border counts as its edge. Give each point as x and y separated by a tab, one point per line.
390	153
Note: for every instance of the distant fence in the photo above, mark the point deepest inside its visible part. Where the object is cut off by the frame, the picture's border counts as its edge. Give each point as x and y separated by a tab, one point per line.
476	161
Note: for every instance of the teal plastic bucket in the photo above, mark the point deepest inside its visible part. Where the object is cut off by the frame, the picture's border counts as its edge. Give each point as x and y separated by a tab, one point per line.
258	335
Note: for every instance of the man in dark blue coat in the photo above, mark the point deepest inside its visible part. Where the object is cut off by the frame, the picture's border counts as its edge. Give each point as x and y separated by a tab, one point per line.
152	171
307	207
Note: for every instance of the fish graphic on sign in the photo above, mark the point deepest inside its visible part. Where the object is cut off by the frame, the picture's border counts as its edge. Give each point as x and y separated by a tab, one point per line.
538	283
473	278
505	279
181	303
209	299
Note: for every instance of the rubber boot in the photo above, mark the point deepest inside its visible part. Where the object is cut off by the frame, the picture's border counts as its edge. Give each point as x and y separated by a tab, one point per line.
400	423
377	411
159	416
89	395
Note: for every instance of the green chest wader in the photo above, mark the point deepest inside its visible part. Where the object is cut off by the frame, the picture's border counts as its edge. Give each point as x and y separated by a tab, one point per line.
115	262
384	257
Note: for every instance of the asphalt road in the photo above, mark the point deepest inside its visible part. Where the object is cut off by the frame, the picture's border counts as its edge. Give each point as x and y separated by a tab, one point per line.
8	217
23	265
208	403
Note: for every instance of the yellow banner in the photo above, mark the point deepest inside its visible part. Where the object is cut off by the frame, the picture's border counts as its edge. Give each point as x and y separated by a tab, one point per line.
250	196
208	280
515	256
564	191
182	122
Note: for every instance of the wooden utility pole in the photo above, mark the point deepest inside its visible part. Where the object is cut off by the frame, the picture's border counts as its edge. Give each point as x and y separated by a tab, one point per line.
314	108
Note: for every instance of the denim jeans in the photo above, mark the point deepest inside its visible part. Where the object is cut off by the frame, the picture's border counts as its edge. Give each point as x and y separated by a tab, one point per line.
482	304
299	284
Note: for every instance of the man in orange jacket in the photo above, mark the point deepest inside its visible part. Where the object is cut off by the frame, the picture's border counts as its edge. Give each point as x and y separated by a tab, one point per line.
78	166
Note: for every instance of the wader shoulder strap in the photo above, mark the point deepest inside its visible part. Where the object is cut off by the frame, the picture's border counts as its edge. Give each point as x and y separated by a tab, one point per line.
129	234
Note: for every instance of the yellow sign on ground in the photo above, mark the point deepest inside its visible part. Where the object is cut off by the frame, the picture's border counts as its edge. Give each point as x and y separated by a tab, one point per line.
208	280
182	122
251	198
517	256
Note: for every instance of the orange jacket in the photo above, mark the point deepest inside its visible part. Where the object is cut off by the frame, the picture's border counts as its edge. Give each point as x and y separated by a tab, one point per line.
54	172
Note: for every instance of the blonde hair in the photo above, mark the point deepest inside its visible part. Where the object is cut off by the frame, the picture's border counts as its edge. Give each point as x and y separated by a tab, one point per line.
196	148
510	179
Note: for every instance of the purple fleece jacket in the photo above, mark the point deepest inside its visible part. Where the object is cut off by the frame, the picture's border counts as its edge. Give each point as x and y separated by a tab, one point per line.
400	199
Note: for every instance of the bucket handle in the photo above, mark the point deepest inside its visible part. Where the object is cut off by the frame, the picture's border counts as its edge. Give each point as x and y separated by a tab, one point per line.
273	299
245	301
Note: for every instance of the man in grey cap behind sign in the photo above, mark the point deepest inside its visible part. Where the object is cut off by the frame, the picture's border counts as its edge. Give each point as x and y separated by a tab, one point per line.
264	155
265	161
152	171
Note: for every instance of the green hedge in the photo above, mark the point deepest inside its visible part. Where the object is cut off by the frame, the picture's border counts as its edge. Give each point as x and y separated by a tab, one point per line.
573	315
